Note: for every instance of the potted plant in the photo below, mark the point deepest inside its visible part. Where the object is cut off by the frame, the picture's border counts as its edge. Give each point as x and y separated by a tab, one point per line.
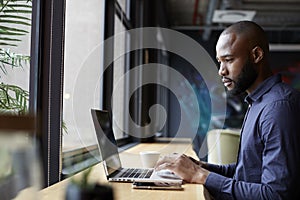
14	15
15	18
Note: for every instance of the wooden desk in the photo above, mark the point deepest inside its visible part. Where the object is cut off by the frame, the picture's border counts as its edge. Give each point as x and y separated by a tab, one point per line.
130	158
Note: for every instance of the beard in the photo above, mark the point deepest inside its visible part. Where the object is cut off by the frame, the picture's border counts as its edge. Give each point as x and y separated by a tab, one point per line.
245	79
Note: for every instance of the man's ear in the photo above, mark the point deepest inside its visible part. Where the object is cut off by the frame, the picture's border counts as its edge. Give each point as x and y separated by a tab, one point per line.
257	54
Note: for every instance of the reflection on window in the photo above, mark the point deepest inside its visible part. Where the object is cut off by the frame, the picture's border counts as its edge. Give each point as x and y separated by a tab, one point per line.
119	70
122	4
82	68
121	65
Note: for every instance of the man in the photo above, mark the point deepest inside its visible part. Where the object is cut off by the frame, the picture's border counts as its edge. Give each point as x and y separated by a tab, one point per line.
268	162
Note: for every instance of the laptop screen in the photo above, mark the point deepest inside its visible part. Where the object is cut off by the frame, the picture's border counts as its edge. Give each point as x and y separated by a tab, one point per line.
106	140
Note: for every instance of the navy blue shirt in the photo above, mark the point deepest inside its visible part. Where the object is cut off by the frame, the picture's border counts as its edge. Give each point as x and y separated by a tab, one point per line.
268	163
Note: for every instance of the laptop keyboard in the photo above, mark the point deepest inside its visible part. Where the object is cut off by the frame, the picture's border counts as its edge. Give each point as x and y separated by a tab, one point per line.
136	173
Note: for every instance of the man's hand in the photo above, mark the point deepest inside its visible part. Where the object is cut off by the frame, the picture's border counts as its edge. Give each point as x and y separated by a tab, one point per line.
185	167
200	163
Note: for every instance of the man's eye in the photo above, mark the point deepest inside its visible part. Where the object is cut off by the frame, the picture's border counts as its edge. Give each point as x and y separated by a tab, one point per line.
229	60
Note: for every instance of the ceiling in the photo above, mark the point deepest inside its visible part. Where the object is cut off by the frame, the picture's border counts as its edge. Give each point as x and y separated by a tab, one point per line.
280	18
273	15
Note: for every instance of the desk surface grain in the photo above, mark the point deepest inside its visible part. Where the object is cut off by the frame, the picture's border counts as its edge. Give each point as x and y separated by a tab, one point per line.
130	158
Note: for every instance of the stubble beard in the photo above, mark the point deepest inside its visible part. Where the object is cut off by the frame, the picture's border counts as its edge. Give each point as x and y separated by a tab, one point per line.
245	79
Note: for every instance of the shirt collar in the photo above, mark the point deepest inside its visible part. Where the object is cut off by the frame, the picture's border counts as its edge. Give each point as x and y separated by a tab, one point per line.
265	86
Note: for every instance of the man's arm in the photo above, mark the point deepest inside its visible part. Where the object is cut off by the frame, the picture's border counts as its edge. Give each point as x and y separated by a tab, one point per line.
219	186
225	170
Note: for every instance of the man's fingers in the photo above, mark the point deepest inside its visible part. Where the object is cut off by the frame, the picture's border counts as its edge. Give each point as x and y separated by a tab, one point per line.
194	160
161	161
167	159
164	166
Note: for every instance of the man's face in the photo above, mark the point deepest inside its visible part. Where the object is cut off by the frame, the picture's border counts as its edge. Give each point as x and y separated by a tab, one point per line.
245	79
237	70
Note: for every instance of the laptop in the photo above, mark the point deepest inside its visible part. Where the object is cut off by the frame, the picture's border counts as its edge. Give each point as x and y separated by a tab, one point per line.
110	155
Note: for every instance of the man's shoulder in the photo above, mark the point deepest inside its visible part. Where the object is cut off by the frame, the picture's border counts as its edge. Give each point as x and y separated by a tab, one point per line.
283	92
279	98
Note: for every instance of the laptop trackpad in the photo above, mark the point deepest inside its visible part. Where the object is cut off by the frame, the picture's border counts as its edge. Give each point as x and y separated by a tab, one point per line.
167	174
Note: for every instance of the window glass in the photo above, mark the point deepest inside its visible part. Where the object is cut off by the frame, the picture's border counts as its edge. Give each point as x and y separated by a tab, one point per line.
119	70
15	55
122	4
83	64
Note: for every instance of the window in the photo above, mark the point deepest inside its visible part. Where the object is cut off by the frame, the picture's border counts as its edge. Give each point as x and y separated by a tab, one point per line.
119	68
82	66
67	77
85	82
84	28
15	55
118	71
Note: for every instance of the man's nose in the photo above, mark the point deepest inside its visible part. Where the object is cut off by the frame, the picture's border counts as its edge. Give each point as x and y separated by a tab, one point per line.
222	70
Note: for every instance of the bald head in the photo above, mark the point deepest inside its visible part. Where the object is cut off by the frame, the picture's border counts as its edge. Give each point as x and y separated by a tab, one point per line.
251	32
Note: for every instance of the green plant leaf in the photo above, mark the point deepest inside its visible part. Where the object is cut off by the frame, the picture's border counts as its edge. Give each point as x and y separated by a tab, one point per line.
13	99
14	22
10	33
9	39
7	44
13	6
12	29
8	58
18	11
15	17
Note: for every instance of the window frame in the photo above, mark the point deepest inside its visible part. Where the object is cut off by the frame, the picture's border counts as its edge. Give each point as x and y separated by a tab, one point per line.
112	10
46	82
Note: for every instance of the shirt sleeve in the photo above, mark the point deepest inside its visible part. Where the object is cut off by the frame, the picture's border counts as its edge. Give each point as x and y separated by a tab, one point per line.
221	187
225	170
